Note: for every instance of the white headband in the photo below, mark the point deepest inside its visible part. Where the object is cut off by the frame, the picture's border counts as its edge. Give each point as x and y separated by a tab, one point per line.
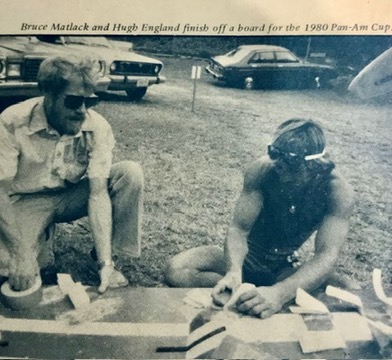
315	156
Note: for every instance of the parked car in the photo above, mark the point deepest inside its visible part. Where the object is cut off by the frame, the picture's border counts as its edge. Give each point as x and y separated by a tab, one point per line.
128	71
20	58
268	66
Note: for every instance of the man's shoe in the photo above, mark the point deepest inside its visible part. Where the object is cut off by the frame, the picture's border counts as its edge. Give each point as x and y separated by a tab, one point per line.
118	280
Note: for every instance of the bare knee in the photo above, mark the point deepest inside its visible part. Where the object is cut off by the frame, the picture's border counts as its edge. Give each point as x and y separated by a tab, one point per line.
198	267
176	273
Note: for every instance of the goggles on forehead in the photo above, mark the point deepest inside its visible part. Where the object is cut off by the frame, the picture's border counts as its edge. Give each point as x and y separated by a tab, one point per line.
292	158
74	102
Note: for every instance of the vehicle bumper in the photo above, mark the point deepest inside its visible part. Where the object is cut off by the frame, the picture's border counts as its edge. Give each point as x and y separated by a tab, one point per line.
30	89
103	84
214	73
18	88
121	82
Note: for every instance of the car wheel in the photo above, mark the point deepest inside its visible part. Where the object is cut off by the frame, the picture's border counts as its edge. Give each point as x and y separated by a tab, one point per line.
322	82
317	82
136	94
248	83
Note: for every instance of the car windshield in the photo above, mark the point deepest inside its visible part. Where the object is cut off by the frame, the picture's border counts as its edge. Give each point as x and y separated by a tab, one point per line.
98	41
285	56
7	40
237	54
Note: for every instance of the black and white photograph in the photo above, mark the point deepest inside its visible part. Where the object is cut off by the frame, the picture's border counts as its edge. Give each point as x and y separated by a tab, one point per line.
170	190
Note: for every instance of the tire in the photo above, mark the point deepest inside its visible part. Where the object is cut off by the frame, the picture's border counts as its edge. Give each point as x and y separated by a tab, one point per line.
318	84
248	83
136	94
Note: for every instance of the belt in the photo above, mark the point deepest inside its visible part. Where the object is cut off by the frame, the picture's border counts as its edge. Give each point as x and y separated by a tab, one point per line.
284	255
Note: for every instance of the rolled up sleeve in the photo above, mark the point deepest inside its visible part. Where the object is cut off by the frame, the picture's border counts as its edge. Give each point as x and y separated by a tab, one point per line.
100	158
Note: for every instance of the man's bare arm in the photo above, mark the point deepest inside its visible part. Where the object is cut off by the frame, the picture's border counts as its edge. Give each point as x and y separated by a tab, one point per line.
100	217
247	209
329	240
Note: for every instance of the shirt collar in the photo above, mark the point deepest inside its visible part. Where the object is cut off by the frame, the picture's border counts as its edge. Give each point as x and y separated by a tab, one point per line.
39	122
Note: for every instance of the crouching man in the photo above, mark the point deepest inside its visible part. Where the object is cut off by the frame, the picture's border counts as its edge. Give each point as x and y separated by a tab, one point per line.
56	166
287	195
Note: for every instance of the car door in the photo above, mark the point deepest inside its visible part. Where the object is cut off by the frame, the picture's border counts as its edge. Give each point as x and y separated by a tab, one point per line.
262	67
291	72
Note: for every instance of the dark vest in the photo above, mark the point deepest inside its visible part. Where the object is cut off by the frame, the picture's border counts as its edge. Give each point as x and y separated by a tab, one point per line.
282	230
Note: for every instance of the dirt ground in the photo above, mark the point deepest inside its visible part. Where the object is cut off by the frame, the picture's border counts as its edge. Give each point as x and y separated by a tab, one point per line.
194	161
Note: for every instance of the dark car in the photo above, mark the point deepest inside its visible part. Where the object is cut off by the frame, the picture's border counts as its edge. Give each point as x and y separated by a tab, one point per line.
20	58
128	71
268	66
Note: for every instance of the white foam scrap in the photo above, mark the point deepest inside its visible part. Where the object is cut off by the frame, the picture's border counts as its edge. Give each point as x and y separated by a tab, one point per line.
309	303
378	289
344	295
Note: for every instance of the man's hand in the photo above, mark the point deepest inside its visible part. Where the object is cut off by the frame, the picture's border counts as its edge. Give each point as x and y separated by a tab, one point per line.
111	278
22	273
263	301
226	287
105	274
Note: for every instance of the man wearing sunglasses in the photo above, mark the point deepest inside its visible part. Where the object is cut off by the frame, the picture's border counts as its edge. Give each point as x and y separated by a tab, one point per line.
287	195
56	166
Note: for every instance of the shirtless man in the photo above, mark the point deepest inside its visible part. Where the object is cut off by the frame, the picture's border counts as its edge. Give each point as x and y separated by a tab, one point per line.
287	195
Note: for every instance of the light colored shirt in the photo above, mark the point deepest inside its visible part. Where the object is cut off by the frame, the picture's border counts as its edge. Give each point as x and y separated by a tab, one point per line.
35	157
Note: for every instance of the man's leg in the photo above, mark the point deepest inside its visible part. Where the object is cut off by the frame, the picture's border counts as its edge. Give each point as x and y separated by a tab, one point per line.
35	216
6	231
72	204
126	193
203	266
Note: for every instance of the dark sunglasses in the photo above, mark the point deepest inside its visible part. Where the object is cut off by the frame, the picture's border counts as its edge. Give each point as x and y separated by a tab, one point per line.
74	102
290	158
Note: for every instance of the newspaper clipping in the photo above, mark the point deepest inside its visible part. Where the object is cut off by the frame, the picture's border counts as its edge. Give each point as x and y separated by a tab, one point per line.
195	179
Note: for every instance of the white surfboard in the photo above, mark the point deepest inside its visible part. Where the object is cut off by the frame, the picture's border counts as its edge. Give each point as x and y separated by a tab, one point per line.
375	79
